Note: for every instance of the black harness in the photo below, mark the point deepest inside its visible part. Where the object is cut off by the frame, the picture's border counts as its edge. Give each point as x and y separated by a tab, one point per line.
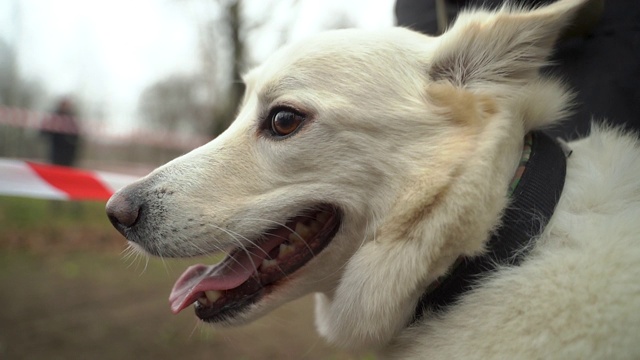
532	203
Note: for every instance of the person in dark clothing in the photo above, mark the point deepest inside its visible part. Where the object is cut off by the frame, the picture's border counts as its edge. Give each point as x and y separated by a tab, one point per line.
599	56
61	129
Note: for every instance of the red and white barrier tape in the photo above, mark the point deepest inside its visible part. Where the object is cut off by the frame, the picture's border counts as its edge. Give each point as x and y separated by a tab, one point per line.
30	179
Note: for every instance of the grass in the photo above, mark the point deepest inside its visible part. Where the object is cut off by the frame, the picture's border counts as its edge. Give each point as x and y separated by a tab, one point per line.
59	226
25	213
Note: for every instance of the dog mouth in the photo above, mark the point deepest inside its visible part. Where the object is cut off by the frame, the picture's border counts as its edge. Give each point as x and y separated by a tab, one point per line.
250	272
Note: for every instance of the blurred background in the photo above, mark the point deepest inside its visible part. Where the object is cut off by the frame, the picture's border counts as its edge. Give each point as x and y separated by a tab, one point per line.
124	86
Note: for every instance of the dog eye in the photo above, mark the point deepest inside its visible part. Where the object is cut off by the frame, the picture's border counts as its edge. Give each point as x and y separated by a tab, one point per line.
285	122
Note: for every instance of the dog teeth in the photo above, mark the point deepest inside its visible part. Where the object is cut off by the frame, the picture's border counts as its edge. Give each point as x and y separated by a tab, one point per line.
213	295
300	233
209	297
203	301
285	250
268	263
302	230
294	238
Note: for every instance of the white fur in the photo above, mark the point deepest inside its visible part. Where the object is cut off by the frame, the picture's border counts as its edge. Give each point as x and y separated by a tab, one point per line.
415	139
576	296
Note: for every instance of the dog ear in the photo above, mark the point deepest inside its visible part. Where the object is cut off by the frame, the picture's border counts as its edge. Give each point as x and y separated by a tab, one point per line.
509	45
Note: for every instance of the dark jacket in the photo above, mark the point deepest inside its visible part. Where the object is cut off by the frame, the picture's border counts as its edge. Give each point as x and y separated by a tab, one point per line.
601	62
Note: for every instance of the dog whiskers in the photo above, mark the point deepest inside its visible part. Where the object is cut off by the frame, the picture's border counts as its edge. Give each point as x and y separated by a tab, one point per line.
133	255
235	236
286	227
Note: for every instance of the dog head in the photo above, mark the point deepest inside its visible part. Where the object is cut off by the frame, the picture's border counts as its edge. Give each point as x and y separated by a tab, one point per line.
360	166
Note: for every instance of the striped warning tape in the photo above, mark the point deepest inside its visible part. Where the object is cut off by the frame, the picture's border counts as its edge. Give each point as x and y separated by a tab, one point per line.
36	180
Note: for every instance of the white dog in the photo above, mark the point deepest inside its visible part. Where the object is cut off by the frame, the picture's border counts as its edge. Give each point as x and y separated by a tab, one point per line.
376	169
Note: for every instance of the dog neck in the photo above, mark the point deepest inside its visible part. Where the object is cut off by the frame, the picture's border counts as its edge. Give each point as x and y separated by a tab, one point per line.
534	193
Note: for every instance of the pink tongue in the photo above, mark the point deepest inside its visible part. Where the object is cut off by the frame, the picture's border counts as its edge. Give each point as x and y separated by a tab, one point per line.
228	274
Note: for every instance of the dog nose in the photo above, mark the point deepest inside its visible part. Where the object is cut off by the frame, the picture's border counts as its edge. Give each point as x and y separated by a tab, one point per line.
123	211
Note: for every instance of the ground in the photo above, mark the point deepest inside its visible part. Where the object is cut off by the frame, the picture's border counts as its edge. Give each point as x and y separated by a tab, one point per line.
68	292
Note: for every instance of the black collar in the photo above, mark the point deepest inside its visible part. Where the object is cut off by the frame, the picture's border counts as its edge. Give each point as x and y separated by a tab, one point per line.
533	200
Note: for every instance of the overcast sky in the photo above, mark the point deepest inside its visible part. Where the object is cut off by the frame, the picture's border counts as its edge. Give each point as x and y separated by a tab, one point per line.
110	50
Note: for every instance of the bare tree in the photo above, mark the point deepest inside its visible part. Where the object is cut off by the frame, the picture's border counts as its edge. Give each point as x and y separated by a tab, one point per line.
226	108
18	92
15	90
178	103
224	51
